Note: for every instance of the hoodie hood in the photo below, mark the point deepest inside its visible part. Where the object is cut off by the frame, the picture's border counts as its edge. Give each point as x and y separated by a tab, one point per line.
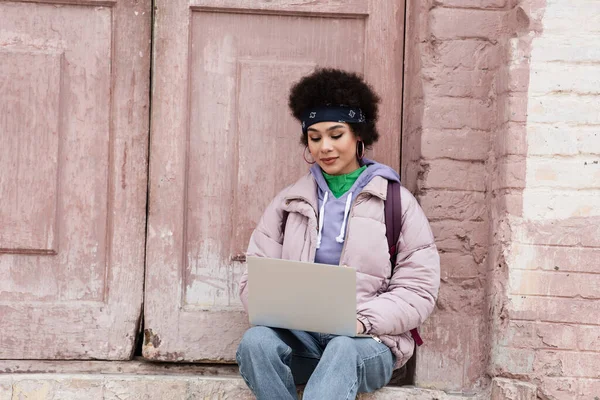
373	169
334	213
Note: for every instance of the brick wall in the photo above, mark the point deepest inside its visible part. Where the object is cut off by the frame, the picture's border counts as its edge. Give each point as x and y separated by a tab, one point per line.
548	289
454	57
501	144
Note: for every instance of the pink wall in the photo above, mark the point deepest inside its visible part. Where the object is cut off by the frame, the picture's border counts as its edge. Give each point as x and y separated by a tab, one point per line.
454	58
498	144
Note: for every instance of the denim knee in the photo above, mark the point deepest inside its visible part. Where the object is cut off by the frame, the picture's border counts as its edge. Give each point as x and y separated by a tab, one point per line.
343	345
261	341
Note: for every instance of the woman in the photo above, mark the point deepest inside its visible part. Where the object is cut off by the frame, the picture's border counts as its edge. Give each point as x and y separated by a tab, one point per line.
335	215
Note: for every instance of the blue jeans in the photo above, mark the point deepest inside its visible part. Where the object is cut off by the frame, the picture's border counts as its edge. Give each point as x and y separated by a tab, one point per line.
273	361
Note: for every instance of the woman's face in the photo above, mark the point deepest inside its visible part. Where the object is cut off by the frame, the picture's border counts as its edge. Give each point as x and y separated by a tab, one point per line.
333	146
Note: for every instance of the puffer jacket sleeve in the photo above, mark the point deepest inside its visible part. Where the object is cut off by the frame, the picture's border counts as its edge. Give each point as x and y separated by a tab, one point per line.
413	288
266	240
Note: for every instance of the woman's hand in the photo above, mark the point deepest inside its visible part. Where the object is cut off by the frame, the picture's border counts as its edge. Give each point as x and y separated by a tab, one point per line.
360	328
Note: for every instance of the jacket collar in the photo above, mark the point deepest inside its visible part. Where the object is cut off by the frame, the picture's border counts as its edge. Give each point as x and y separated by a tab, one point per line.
306	189
377	187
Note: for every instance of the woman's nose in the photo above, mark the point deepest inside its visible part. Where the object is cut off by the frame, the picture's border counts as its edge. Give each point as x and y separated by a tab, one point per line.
327	145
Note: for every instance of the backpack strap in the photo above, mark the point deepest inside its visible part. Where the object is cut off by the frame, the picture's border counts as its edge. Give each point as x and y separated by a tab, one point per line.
393	227
393	219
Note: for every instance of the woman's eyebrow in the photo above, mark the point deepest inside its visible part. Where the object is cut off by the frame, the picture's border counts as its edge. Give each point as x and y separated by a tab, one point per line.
331	128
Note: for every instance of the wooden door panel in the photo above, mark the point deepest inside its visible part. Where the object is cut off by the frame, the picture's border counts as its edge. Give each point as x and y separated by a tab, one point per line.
73	125
338	8
29	194
224	143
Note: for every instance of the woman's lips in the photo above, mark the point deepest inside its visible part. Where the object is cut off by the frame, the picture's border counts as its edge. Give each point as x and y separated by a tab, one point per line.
328	161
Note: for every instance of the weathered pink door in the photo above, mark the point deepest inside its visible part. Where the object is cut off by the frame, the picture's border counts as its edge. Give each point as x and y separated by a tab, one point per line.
223	143
73	143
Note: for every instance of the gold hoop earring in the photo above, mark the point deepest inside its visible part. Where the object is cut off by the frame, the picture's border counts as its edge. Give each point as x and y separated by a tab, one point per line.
304	156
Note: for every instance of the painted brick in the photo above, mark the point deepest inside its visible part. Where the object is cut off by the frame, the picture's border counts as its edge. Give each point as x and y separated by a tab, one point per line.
519	51
564	108
447	360
569	48
517	107
512	361
554	89
578	232
560	388
535	10
502	80
453	82
458	144
588	140
582	79
535	335
589	389
502	110
461	205
560	16
555	283
510	79
540	204
461	297
519	78
552	258
511	173
473	3
511	140
453	23
511	203
451	174
545	309
466	236
466	53
519	334
581	172
560	139
557	336
588	338
567	363
457	113
455	265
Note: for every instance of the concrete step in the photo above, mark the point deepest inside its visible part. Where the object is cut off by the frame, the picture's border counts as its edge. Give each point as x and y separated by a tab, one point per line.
50	386
142	380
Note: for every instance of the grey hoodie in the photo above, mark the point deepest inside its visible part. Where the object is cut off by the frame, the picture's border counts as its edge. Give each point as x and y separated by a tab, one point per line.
334	213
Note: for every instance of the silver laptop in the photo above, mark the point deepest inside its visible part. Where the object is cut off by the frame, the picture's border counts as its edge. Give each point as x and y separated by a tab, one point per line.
304	296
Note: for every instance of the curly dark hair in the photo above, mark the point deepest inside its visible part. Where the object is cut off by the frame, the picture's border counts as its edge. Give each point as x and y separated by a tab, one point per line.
333	86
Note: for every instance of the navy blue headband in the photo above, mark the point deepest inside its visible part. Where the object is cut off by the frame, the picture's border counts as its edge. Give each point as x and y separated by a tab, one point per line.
332	114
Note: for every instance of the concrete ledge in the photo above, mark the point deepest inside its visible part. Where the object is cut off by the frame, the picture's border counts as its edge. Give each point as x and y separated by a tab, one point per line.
140	379
160	387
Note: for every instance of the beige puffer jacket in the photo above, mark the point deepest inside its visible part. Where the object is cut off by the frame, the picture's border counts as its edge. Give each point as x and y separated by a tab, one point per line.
389	308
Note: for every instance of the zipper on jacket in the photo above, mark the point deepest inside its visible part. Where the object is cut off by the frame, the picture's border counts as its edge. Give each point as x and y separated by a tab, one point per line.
376	338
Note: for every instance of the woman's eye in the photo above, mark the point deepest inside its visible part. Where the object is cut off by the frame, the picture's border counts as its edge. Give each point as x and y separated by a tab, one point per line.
337	136
314	139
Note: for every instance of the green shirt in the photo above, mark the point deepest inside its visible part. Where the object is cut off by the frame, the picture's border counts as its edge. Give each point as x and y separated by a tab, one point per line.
340	184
